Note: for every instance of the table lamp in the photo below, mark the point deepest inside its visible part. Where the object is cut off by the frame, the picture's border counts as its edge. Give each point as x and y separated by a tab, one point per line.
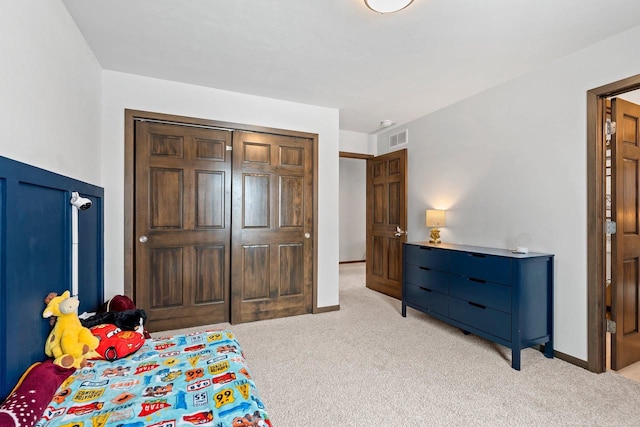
435	218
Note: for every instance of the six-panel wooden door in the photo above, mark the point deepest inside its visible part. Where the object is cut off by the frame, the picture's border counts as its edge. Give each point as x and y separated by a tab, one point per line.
182	224
386	221
625	343
272	226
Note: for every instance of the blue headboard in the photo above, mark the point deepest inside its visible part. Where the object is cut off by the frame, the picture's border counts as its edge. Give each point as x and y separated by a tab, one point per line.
35	258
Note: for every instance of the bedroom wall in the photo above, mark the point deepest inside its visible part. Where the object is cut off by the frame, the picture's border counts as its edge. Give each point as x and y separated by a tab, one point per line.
358	142
633	96
51	88
512	160
121	91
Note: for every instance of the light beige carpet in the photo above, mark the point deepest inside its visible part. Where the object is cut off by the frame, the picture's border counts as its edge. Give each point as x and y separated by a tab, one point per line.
366	365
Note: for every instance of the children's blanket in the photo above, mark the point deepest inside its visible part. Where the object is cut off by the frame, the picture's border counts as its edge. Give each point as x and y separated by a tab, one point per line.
184	380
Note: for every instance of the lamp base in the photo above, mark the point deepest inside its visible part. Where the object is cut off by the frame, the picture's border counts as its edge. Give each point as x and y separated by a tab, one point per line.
434	236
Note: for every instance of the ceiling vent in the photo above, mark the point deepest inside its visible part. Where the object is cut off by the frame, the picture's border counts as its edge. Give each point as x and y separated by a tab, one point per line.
400	138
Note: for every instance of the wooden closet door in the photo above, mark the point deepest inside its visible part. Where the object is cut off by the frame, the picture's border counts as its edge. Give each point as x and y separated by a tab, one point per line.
182	224
272	226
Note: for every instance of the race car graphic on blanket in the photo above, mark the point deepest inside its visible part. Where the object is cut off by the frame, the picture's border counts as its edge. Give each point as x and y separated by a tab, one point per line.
185	380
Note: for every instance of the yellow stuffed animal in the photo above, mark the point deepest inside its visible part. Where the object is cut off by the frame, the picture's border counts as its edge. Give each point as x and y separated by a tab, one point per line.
69	343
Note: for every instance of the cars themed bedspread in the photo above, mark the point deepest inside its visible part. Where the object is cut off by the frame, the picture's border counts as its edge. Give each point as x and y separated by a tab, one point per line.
184	380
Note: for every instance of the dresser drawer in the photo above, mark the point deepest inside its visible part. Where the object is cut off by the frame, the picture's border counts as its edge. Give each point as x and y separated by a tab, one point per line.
482	292
481	266
426	256
427	299
486	319
433	279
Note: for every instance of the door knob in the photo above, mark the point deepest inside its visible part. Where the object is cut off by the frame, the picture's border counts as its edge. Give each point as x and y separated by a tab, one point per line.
307	235
143	239
399	232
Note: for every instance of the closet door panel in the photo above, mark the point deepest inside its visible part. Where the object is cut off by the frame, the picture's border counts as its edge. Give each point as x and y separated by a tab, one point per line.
210	271
210	202
182	225
276	210
256	264
255	201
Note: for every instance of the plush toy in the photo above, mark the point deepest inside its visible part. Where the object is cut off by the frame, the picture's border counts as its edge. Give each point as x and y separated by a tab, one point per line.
122	304
69	343
127	320
116	343
117	303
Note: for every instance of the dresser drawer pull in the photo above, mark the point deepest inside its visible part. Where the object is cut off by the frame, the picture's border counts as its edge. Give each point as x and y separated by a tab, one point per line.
478	255
425	248
425	268
475	304
472	279
425	289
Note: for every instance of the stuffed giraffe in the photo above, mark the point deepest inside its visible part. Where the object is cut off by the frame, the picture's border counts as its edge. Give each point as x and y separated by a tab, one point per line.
69	343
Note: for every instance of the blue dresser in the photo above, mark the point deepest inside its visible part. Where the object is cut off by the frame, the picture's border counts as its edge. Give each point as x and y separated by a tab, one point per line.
496	294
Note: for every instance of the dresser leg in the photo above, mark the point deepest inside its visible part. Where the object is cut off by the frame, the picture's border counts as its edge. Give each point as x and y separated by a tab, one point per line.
404	310
548	349
515	359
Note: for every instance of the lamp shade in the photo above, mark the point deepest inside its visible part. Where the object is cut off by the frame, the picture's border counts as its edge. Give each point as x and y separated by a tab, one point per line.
387	6
435	218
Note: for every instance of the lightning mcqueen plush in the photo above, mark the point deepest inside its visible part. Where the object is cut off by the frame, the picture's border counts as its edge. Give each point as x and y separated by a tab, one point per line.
116	343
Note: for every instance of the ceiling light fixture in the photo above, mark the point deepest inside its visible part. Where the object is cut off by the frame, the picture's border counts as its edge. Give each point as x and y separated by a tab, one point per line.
387	6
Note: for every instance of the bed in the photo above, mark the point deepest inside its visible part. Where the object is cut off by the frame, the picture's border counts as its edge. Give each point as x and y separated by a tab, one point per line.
193	379
183	380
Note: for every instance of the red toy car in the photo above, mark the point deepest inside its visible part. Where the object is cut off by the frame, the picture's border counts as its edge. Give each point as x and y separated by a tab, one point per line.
223	379
199	418
116	343
85	409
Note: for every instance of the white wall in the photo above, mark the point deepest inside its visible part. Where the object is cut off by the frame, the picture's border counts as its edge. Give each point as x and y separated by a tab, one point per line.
358	142
633	96
121	91
513	160
50	85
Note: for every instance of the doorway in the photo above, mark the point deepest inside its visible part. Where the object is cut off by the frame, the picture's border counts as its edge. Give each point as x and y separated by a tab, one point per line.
385	219
220	220
353	190
596	236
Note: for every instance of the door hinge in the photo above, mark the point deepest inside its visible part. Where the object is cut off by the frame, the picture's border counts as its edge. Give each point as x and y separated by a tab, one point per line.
611	326
610	227
609	129
229	148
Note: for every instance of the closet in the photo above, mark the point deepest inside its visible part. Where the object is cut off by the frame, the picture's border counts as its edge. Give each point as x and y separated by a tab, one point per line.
219	221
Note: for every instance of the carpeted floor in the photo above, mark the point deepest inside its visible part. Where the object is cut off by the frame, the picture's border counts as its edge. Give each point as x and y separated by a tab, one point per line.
366	365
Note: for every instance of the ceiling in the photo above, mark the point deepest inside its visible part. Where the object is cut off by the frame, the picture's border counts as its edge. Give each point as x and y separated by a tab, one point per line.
339	54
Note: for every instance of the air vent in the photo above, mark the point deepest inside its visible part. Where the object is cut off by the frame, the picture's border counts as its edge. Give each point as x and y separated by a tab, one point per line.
399	138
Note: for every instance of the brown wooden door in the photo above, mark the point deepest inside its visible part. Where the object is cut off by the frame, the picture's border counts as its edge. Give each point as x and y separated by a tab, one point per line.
386	211
182	224
272	226
625	343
